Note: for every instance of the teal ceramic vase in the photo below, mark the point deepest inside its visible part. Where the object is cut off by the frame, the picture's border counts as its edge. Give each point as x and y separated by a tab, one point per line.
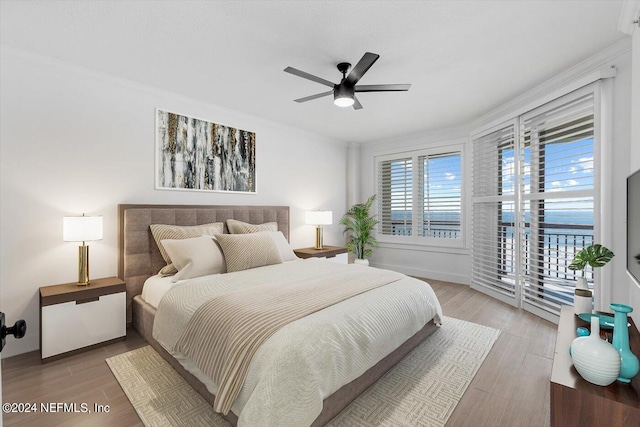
629	365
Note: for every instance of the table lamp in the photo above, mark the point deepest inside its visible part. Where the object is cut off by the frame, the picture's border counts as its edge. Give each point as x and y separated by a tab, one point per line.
82	229
319	218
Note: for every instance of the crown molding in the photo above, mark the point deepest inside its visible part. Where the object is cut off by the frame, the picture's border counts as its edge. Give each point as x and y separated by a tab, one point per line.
598	63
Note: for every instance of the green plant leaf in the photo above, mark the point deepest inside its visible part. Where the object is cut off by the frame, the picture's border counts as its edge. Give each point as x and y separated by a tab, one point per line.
598	255
594	255
359	225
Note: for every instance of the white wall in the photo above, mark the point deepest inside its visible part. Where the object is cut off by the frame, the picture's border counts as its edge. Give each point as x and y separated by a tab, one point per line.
75	141
634	163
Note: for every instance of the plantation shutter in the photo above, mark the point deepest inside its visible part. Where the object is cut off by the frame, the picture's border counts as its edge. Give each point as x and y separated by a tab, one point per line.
557	142
494	214
395	196
440	193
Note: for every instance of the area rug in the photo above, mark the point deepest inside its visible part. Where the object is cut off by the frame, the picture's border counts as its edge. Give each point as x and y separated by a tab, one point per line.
422	390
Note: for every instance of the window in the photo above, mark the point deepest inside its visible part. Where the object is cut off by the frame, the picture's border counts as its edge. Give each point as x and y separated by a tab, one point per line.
430	209
533	202
441	194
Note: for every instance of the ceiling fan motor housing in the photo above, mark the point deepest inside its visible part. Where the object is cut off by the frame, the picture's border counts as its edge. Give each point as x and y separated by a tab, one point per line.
343	90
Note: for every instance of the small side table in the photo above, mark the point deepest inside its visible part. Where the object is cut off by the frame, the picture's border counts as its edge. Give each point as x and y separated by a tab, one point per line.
576	402
330	253
78	318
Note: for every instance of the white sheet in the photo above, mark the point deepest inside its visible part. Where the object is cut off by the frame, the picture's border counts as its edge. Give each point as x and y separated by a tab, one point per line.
311	358
154	289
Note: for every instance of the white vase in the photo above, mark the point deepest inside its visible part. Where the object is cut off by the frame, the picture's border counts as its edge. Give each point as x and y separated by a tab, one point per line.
360	261
595	359
583	297
581	283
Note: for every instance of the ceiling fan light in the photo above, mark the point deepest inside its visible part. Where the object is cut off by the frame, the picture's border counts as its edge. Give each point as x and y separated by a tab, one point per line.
343	101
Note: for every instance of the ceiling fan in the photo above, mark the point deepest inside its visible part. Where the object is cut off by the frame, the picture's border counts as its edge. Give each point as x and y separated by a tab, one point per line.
344	93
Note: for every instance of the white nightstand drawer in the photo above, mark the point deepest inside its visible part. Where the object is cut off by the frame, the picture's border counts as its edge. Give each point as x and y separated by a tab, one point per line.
72	325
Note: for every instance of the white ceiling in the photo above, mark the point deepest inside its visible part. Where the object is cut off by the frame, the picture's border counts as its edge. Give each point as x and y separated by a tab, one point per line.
463	58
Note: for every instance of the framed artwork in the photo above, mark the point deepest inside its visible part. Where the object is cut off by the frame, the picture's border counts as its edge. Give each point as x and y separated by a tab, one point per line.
194	154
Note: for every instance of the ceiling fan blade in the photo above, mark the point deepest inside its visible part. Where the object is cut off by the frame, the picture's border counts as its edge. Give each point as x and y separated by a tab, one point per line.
308	76
356	103
309	98
382	88
361	67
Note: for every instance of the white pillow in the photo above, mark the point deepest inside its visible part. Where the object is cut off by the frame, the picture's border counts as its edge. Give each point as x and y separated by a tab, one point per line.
283	246
239	227
199	256
162	232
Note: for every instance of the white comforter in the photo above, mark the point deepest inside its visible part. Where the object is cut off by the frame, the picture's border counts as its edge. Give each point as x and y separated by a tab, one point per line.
311	358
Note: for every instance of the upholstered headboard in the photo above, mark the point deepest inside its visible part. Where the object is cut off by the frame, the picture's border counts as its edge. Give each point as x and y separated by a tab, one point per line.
138	255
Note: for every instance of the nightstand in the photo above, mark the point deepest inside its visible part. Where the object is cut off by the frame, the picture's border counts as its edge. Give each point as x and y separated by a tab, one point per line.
330	253
78	318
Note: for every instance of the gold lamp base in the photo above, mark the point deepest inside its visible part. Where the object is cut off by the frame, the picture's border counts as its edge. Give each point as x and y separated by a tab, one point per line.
319	237
83	265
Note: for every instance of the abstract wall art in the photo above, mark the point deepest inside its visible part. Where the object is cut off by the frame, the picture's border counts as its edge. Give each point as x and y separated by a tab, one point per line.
194	154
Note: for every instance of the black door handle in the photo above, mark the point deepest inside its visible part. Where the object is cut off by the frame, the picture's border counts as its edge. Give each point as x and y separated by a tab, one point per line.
17	330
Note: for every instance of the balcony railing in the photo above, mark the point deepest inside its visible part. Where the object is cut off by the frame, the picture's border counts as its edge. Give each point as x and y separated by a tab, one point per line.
436	229
556	247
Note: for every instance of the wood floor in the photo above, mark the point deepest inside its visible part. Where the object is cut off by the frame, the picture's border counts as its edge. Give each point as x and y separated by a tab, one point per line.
510	389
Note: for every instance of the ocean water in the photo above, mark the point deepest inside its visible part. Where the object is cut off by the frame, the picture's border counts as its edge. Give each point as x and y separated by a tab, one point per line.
561	227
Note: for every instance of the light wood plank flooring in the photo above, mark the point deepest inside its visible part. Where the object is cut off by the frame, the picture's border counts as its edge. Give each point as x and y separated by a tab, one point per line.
511	388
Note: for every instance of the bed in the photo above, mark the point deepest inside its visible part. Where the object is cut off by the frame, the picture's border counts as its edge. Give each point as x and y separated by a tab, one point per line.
140	258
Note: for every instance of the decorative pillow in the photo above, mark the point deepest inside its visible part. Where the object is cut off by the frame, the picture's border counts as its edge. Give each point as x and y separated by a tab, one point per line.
239	227
286	253
199	256
175	232
245	251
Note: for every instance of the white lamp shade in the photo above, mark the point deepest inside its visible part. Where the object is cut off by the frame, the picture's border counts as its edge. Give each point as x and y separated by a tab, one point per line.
319	217
81	228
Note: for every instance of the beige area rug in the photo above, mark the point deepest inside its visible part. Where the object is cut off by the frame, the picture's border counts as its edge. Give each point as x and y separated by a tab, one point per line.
422	390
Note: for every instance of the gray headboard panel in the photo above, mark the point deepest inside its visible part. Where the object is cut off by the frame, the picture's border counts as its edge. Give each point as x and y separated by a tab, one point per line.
138	255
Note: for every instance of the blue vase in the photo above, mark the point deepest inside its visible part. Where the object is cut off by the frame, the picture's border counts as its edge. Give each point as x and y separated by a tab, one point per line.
629	365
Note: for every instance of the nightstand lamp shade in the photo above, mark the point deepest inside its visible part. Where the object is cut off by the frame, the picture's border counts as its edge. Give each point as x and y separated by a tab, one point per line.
319	218
82	229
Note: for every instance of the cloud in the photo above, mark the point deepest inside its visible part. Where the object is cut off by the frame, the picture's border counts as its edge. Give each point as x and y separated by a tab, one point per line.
450	176
586	163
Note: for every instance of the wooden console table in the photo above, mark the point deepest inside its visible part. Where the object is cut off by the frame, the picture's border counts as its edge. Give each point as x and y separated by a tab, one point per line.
576	402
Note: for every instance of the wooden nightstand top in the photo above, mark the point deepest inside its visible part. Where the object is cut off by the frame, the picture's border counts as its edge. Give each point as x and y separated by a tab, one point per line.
326	252
56	294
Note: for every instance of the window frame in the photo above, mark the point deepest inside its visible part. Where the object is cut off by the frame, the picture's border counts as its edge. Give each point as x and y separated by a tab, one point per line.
417	201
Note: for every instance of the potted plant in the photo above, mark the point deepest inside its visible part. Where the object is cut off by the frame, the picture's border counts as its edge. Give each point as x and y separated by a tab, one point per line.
595	256
359	225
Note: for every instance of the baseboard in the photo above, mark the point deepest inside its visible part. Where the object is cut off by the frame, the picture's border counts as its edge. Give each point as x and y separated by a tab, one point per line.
426	274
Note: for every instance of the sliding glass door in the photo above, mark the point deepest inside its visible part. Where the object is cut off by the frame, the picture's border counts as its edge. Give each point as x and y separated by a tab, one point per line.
534	203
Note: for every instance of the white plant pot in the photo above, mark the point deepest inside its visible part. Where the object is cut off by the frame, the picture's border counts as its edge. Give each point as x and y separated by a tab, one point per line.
359	261
583	297
582	304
